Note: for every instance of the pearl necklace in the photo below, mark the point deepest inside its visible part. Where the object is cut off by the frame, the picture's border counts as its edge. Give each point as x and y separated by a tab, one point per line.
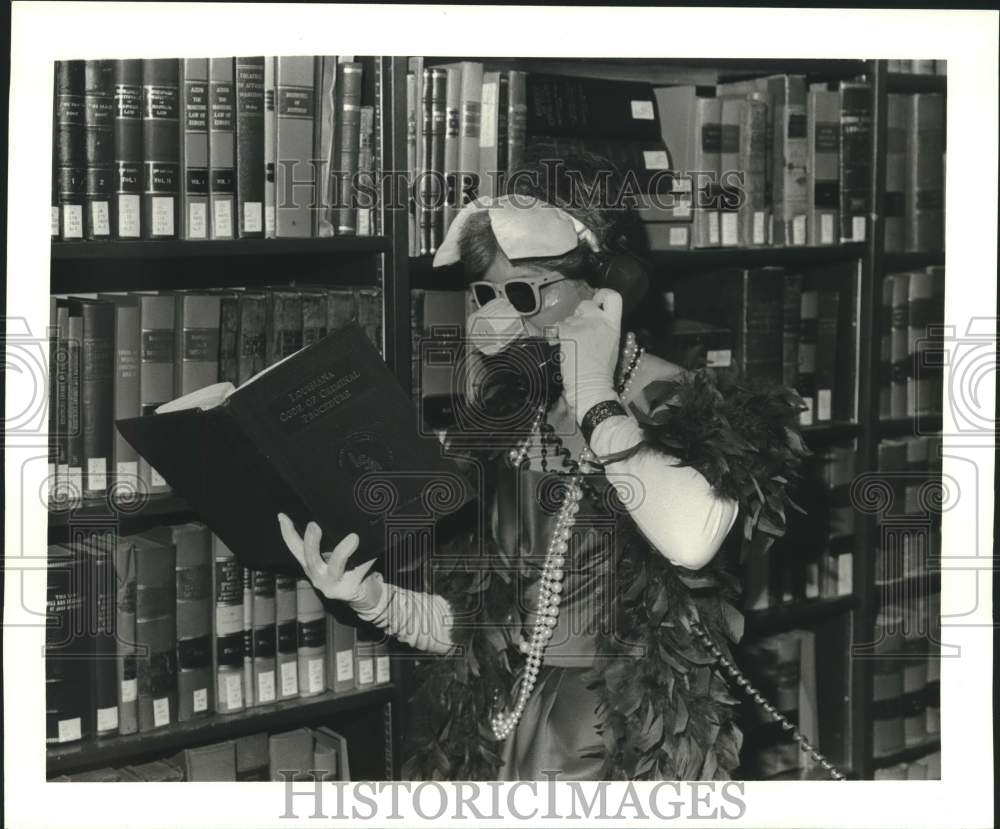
550	585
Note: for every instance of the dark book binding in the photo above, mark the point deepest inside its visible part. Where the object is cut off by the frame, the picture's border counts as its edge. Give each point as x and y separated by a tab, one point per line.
98	118
855	160
128	169
250	169
96	395
439	91
252	335
68	716
161	148
74	419
100	600
70	148
156	633
124	466
321	438
925	146
128	710
346	146
590	107
284	324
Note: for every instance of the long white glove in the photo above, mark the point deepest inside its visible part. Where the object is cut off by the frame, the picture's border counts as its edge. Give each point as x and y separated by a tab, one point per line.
588	340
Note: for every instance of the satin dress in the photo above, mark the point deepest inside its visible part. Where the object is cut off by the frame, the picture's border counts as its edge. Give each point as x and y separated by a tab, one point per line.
558	729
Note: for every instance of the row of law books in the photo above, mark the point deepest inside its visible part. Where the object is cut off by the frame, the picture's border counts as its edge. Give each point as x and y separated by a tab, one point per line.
783	668
770	324
815	558
166	626
919	67
906	700
911	330
213	148
121	355
299	754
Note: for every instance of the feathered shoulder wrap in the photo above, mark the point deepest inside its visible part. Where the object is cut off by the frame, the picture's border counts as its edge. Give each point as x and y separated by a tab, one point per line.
668	714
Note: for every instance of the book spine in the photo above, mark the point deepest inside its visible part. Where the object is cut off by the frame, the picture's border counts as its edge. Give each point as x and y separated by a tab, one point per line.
161	148
827	342
924	227
54	492
517	119
67	704
470	126
855	160
808	333
413	247
590	107
284	325
707	159
900	343
128	148
416	68
74	420
313	317
98	117
55	223
229	338
885	349
101	613
845	381
887	715
128	711
488	148
156	370
286	625
248	679
97	395
227	629
364	670
920	317
823	166
252	335
156	634
503	132
311	640
323	135
196	336
894	203
125	460
367	189
369	305
195	604
791	320
264	638
341	308
790	160
270	151
762	334
194	148
62	400
438	125
340	643
222	148
71	146
347	138
732	116
452	141
250	172
295	174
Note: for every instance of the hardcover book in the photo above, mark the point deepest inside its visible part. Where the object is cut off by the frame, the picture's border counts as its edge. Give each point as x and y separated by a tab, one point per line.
161	148
194	148
250	169
128	175
70	149
99	94
318	437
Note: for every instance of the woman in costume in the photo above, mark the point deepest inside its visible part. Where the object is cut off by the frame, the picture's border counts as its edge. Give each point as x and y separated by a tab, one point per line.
583	631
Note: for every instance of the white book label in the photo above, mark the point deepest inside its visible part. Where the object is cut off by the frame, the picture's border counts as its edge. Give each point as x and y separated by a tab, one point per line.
345	665
97	474
163	216
265	686
381	669
222	218
199	700
712	217
107	719
316	677
826	229
129	211
269	223
858	228
845	574
643	110
823	397
806	417
161	712
69	730
730	229
130	688
655	159
718	358
678	237
100	218
197	221
366	672
252	217
289	679
759	225
799	230
72	221
234	690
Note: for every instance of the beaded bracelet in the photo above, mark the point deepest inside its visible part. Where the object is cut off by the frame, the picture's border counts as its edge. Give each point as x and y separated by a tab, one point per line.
597	414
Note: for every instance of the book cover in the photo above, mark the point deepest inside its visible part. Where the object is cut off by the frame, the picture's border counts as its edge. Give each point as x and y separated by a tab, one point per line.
157	771
96	399
340	642
898	117
369	305
341	308
196	340
855	160
291	755
252	337
194	148
161	148
887	712
295	173
346	146
326	754
194	607
215	763
250	171
128	149
924	182
68	715
98	120
311	618
517	119
128	686
921	316
70	148
155	632
222	148
54	493
264	638
364	657
227	629
791	158
414	147
156	369
286	624
823	165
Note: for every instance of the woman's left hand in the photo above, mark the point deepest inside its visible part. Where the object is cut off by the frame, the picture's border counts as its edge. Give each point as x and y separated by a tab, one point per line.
589	339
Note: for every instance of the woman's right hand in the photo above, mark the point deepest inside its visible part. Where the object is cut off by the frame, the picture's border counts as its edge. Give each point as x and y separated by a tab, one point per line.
329	574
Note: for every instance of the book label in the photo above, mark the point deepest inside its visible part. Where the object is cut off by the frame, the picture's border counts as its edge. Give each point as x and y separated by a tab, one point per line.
345	665
655	160
712	218
100	219
643	110
223	217
163	216
107	719
718	358
252	217
127	471
858	228
265	686
54	220
69	730
234	690
199	700
759	223
201	344
97	474
197	221
295	101
806	416
678	237
195	106
161	712
823	404
315	676
128	216
366	672
159	102
382	669
826	229
289	679
72	221
130	688
222	106
128	100
730	229
799	230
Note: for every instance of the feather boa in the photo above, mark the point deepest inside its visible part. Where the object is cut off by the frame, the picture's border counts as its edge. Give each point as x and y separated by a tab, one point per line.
670	714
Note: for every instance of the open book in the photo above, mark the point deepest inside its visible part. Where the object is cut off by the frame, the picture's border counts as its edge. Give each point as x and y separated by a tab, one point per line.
327	434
